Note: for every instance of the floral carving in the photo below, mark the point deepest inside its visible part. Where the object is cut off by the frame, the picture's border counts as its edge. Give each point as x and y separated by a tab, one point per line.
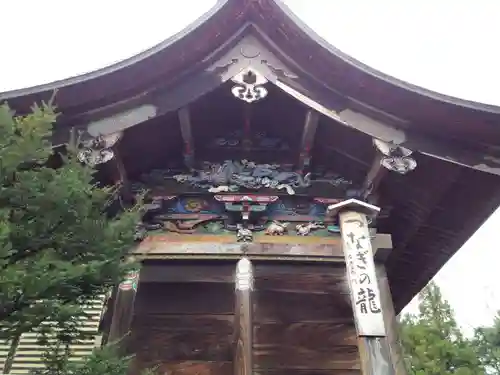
98	150
396	158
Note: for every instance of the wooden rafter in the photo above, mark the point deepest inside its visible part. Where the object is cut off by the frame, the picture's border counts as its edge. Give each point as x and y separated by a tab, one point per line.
310	126
374	176
187	135
422	209
120	176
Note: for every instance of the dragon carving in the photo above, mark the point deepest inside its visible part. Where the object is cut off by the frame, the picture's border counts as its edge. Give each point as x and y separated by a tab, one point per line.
233	175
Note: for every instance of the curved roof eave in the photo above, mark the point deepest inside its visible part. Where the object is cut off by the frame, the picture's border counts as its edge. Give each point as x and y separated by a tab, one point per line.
309	32
120	64
378	74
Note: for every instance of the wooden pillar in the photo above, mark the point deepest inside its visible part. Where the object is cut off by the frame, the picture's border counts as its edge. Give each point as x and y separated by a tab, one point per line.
310	126
364	289
187	136
123	310
243	361
391	324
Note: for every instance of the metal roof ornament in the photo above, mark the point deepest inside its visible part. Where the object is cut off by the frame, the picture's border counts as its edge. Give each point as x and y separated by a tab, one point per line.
396	158
249	85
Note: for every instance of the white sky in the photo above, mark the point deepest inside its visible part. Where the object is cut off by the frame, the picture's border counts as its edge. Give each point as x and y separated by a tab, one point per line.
448	46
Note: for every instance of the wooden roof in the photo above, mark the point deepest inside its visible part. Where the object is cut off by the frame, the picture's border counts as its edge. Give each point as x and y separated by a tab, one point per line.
437	207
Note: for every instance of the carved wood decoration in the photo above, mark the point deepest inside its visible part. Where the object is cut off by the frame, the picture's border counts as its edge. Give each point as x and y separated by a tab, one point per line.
244	285
310	126
99	149
395	158
187	136
249	85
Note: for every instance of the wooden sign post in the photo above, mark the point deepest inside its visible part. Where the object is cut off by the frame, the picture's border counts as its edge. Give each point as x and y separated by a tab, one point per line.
363	285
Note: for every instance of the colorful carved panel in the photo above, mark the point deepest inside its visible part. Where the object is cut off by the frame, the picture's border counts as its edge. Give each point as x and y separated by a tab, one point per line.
247	177
226	214
244	199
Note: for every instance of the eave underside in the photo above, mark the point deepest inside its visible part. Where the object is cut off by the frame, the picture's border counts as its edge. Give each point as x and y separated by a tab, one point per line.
438	209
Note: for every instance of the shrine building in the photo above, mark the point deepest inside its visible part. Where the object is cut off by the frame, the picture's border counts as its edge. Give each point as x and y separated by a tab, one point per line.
297	198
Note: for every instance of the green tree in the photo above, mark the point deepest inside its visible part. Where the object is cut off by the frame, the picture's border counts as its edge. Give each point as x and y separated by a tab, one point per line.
432	341
59	245
487	344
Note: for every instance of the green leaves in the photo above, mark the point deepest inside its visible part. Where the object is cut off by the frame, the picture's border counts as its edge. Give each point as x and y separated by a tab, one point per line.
432	341
487	343
59	247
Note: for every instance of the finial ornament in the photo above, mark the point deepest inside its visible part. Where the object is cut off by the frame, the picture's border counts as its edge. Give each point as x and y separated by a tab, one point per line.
396	158
98	150
244	275
249	85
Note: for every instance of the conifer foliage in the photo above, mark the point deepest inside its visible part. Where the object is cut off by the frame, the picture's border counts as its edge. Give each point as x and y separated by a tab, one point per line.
59	247
433	342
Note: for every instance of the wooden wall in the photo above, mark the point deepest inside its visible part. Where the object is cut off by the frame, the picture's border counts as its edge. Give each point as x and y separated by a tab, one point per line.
184	322
185	327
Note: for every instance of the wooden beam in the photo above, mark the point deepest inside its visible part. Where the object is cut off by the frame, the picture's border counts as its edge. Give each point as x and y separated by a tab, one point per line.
225	247
187	136
121	177
247	128
374	177
243	340
180	272
310	126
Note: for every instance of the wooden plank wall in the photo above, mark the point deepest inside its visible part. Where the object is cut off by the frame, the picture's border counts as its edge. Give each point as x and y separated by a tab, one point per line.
302	321
184	325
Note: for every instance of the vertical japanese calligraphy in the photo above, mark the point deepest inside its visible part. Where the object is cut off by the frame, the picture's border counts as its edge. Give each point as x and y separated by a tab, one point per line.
361	274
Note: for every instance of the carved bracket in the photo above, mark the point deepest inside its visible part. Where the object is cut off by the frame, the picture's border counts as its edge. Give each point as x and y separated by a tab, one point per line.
98	150
249	85
396	158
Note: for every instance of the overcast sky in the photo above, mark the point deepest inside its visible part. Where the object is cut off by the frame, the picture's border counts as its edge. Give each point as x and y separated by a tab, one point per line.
449	46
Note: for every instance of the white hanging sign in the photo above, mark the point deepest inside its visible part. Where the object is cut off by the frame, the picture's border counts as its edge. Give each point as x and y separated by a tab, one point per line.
361	275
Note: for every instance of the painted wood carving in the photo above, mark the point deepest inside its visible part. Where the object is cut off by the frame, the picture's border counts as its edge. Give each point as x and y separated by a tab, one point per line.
243	215
244	199
244	176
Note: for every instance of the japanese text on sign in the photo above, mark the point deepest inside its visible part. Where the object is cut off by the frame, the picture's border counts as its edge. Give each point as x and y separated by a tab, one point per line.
361	274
